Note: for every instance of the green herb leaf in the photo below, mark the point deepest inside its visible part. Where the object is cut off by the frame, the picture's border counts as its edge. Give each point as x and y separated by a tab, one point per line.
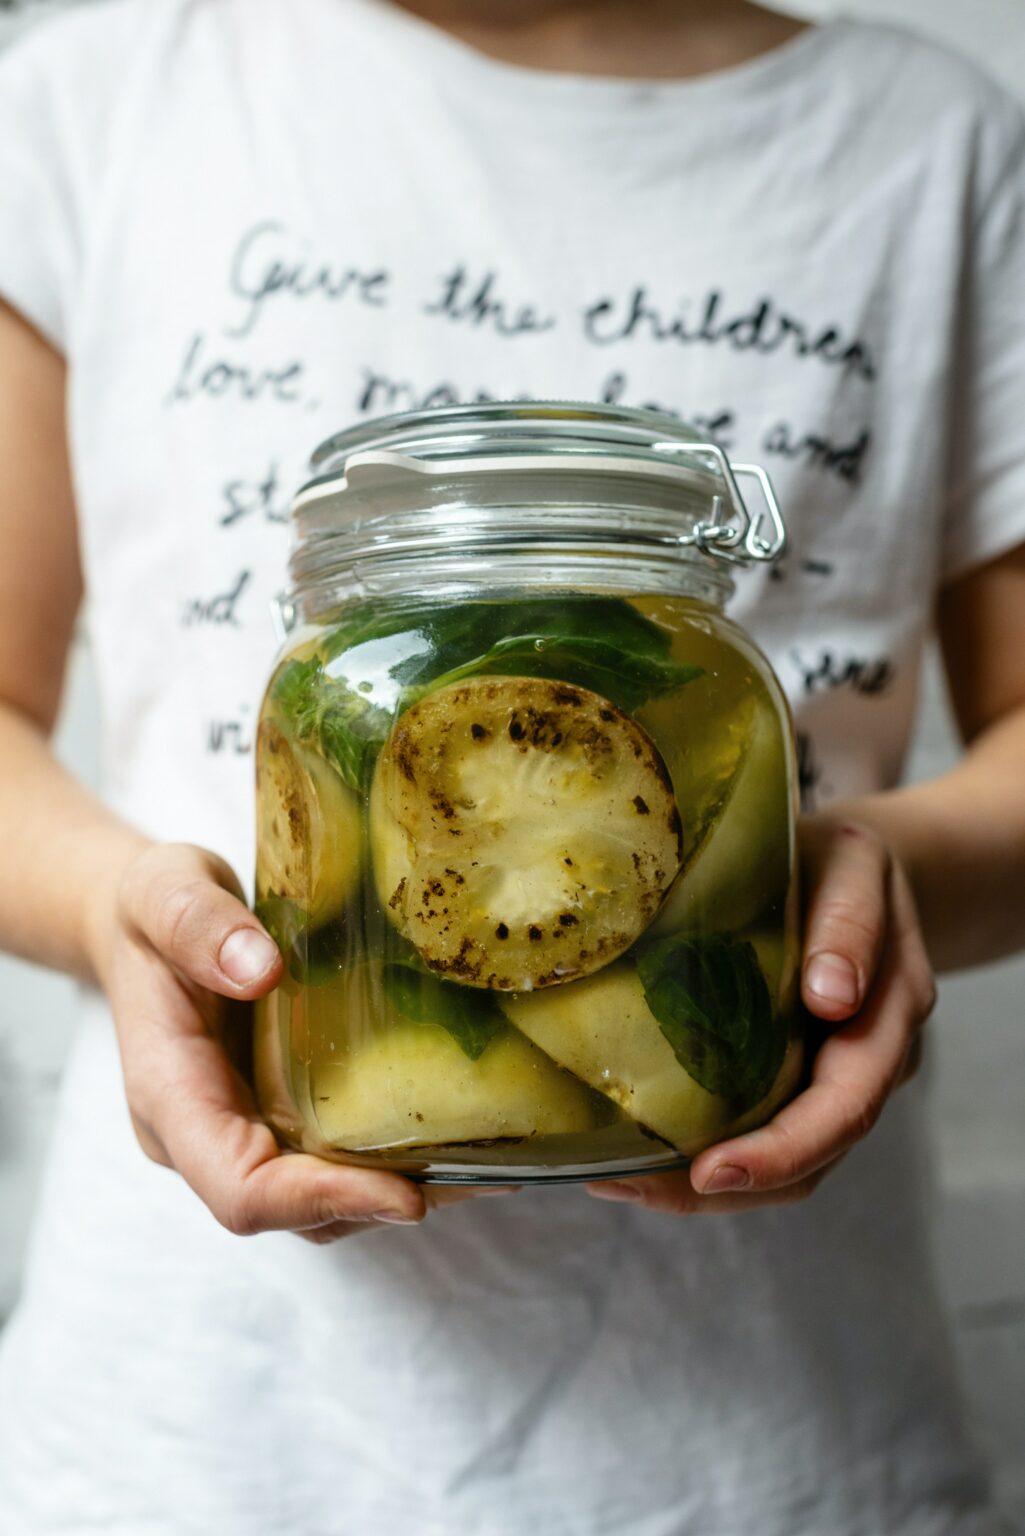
627	678
340	722
380	661
713	1006
472	1018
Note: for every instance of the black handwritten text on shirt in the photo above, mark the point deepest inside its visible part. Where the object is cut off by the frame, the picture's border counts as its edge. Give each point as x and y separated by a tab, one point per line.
219	609
480	303
765	327
269	261
260	498
202	377
829	672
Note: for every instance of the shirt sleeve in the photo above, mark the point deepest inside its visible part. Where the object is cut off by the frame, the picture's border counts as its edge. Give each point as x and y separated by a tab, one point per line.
986	509
38	225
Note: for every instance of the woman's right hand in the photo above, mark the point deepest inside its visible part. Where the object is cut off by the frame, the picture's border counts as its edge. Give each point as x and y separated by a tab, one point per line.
177	942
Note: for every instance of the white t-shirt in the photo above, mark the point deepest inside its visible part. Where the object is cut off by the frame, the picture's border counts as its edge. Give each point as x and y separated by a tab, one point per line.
247	223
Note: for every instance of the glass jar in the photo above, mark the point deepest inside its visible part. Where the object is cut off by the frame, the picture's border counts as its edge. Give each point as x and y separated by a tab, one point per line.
526	804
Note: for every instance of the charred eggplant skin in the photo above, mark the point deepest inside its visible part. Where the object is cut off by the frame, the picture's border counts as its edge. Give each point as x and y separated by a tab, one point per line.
308	827
523	832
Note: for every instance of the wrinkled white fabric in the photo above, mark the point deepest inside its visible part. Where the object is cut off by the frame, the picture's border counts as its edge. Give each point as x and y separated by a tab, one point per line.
247	224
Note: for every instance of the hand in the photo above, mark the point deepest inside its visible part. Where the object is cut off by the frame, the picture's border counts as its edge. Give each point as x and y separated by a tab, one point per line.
179	941
866	975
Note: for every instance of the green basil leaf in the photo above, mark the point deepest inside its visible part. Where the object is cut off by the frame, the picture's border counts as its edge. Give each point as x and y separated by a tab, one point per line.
295	691
380	661
627	678
712	1003
339	721
425	642
472	1018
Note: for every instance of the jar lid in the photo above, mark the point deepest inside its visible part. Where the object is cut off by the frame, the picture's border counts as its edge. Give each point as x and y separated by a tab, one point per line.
511	445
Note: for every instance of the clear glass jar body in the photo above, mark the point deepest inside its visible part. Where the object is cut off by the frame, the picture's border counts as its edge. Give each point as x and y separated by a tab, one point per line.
529	857
526	805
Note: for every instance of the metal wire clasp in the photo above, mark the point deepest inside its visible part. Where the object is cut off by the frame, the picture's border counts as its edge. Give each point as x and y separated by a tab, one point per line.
737	537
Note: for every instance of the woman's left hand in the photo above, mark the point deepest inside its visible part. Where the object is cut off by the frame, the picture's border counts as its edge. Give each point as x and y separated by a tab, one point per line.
866	975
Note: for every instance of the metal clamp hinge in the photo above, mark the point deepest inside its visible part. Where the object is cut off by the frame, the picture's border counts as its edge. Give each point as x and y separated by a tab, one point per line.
738	537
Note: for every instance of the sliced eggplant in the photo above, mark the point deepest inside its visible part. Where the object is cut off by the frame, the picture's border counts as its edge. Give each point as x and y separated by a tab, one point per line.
412	1086
308	828
524	832
741	867
602	1030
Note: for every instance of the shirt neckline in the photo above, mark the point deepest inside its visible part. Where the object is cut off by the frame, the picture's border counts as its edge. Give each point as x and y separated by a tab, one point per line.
752	78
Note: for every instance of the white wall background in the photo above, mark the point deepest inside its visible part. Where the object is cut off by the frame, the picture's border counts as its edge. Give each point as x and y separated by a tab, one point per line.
978	1038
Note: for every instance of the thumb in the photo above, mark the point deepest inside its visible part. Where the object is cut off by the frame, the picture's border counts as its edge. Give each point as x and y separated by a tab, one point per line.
175	899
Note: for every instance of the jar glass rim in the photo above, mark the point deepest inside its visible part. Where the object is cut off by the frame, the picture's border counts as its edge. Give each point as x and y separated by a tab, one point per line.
513	427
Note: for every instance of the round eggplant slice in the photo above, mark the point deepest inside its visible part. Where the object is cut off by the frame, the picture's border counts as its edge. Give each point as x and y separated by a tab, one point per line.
308	827
524	832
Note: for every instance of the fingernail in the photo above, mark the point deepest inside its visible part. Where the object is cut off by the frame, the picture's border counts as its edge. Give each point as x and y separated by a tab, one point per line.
834	979
725	1177
499	1189
394	1218
246	955
612	1190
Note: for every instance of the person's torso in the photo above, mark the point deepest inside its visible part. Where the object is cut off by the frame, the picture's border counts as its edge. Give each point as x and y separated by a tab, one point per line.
317	212
322	213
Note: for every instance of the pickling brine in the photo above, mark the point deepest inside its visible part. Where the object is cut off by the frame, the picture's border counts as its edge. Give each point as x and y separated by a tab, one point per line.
528	856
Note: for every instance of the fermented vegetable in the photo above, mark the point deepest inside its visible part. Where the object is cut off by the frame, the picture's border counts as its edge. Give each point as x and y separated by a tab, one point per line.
524	832
308	828
528	861
603	1030
412	1086
741	865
